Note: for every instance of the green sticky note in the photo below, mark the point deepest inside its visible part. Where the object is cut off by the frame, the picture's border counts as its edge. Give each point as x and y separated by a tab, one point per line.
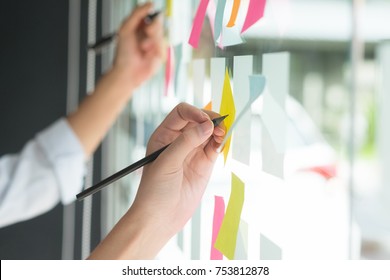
227	236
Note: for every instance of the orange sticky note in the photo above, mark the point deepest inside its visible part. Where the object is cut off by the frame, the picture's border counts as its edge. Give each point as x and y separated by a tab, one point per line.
209	106
233	15
227	108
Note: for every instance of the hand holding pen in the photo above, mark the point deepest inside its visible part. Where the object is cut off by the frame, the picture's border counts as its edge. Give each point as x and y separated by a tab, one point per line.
140	47
171	186
103	42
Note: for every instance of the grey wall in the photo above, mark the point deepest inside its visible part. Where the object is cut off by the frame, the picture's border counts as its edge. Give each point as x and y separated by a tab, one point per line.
33	75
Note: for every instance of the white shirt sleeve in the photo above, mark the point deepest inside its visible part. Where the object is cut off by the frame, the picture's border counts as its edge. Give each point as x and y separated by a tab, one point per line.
49	169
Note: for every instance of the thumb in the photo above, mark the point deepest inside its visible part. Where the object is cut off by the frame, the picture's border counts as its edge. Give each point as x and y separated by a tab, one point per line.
187	142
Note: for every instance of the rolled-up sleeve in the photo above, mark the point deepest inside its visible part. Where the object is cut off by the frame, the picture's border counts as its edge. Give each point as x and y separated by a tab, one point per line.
49	169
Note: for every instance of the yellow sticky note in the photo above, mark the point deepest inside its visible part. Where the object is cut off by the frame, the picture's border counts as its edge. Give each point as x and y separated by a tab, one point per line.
227	236
168	8
227	108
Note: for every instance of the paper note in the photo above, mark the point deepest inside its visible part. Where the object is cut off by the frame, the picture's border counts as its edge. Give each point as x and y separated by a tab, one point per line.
255	12
269	250
178	52
272	160
198	76
234	13
209	106
241	252
198	23
211	10
230	37
168	8
219	212
227	108
168	71
276	69
219	19
243	66
227	236
256	85
195	234
217	71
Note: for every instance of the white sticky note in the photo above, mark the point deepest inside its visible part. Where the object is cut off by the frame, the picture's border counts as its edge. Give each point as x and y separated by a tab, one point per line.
217	75
241	252
275	121
269	250
276	68
272	161
198	76
243	67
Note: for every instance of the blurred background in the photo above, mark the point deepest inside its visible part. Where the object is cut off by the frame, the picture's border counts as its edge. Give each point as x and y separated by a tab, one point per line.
332	201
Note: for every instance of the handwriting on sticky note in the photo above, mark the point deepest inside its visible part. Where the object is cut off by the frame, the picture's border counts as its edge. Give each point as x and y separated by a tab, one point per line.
227	236
227	108
219	212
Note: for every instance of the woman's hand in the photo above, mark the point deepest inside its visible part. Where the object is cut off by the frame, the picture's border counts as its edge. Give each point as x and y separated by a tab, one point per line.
140	48
171	187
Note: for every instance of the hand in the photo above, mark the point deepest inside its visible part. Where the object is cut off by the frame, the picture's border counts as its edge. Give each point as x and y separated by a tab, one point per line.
172	186
140	47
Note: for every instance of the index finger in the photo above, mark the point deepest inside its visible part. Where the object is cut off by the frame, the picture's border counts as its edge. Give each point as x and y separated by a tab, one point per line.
183	114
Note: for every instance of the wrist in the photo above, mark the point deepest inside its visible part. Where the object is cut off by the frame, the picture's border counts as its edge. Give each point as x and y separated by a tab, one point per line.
123	78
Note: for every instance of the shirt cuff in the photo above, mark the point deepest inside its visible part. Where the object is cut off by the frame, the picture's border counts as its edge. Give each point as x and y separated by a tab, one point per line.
66	156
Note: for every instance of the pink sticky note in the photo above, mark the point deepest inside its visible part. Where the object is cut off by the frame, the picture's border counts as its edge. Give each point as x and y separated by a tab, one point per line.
168	71
255	12
211	10
198	23
219	212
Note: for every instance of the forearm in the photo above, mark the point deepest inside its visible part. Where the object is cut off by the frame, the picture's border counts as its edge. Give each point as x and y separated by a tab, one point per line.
98	111
133	237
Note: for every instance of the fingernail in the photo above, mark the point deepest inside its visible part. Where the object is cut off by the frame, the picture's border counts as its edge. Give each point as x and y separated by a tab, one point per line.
206	128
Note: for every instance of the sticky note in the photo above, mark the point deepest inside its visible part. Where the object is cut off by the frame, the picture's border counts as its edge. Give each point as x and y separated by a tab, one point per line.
219	212
227	236
255	12
243	68
234	13
168	8
269	250
241	252
209	106
168	71
272	160
178	52
211	11
219	19
217	72
276	68
227	108
256	84
230	37
198	77
198	23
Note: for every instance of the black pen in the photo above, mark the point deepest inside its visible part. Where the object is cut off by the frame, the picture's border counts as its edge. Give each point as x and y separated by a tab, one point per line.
131	168
105	40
